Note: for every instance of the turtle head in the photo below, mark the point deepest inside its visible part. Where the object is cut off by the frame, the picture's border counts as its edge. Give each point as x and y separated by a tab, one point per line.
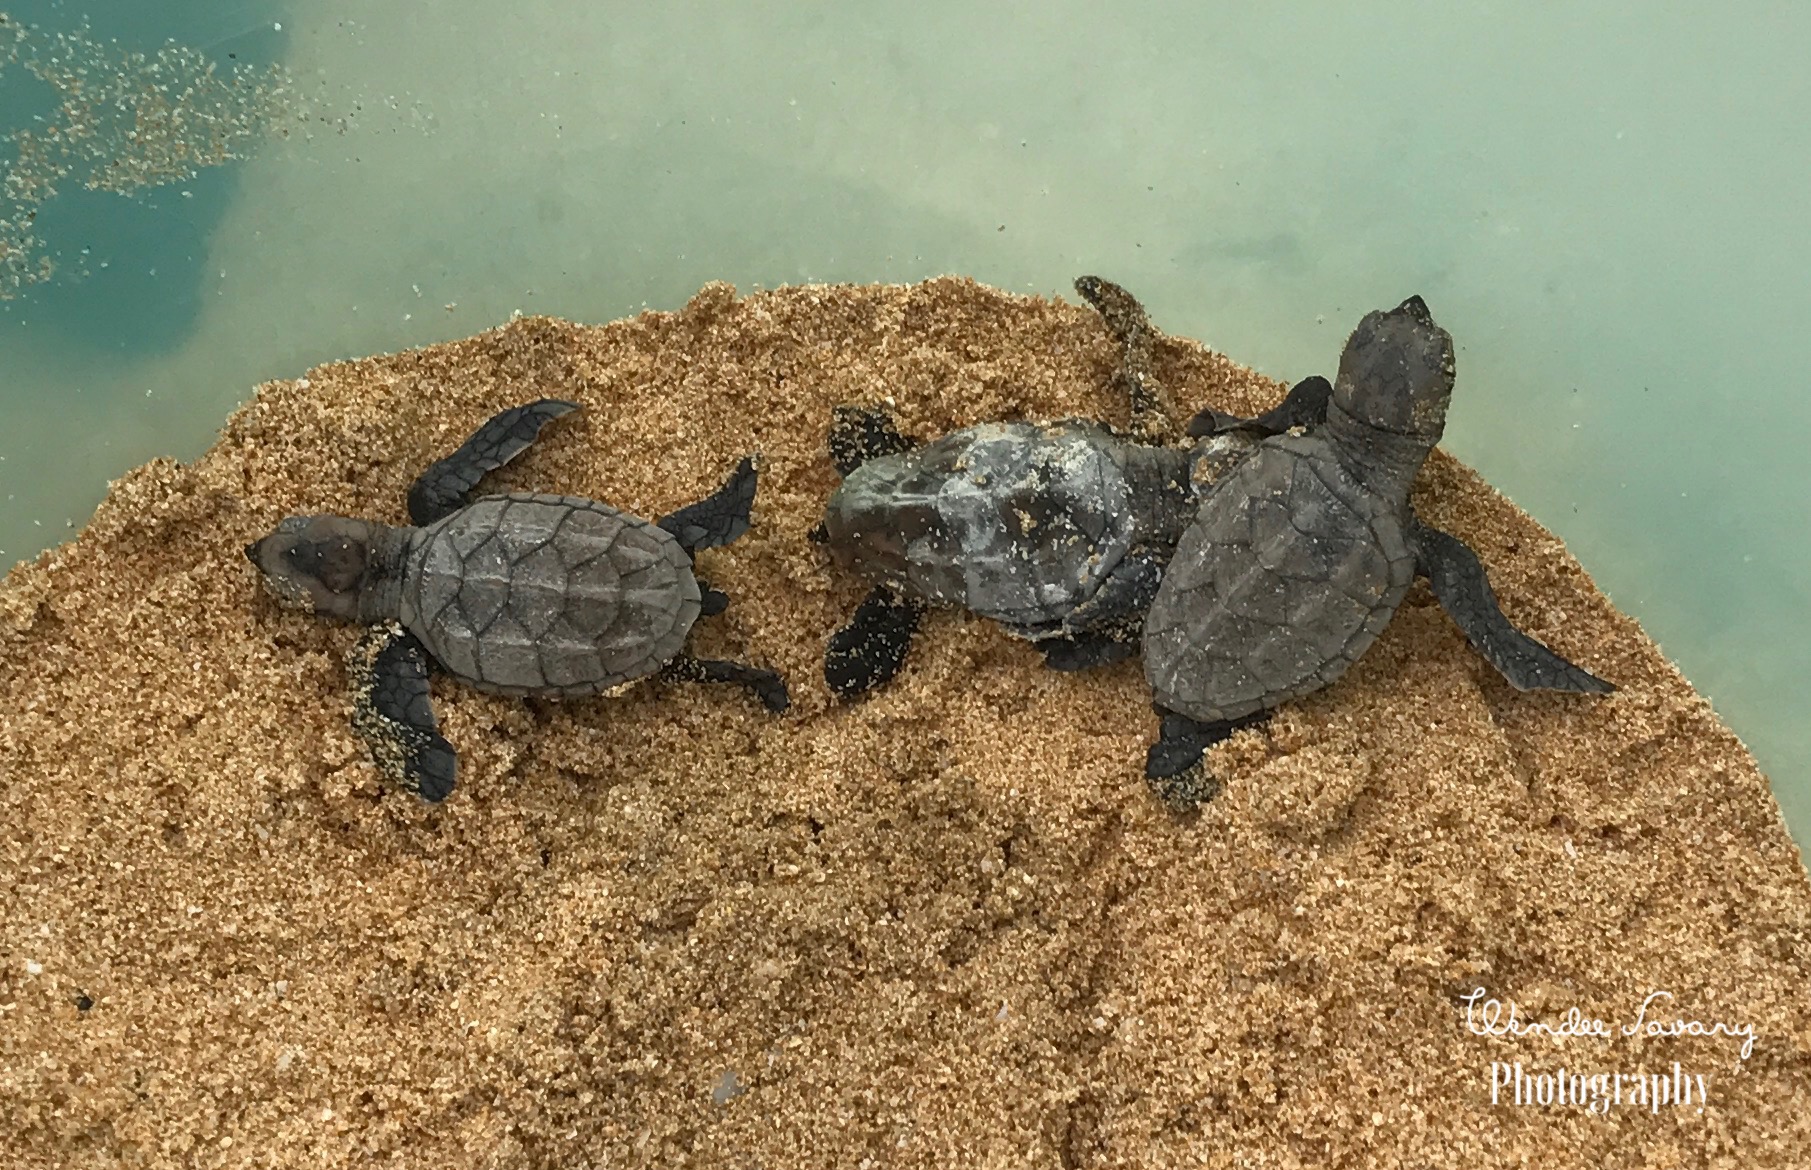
320	564
1397	372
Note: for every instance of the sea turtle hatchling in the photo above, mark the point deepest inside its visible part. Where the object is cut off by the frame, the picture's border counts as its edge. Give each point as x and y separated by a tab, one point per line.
1058	531
518	594
1300	554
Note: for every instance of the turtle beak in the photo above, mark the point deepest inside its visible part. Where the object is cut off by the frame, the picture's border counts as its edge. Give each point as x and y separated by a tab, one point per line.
251	553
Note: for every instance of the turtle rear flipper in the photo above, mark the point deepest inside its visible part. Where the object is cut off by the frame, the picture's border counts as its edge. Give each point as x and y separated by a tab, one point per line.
719	517
861	433
870	650
1086	651
1173	766
711	602
392	713
444	487
1458	581
1304	406
1125	318
765	685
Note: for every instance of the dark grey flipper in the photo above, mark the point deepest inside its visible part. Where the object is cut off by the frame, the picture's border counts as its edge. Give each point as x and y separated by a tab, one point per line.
1087	650
861	433
1126	320
870	650
444	487
719	517
1173	765
711	602
1124	594
1463	590
1304	406
392	713
1105	628
766	686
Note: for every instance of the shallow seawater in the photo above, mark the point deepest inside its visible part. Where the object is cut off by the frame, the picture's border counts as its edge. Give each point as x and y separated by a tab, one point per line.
1599	206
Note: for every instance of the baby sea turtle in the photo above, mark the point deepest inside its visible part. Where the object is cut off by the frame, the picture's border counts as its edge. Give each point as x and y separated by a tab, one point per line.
519	594
1059	531
1301	553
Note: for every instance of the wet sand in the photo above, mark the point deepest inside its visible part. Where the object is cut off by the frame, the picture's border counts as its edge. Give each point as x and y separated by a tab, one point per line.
947	926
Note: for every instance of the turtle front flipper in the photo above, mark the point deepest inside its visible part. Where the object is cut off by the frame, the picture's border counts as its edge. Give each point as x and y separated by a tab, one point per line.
1173	766
719	517
1304	406
1458	581
869	651
392	713
1125	318
766	685
1124	594
861	433
1104	628
444	487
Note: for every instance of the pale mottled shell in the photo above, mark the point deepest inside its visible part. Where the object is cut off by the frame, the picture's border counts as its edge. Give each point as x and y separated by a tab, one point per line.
1014	521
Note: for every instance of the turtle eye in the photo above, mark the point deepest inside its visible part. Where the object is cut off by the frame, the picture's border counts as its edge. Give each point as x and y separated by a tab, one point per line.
305	557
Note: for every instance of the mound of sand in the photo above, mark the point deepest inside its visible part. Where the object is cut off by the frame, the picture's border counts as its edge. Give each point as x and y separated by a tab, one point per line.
948	926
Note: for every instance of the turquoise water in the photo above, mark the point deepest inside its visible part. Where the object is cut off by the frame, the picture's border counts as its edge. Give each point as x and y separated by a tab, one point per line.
1604	208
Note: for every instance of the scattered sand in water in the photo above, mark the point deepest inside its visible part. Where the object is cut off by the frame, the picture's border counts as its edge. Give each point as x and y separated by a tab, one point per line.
947	926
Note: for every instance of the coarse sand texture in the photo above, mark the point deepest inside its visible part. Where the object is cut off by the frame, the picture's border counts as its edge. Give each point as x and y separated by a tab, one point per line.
946	926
